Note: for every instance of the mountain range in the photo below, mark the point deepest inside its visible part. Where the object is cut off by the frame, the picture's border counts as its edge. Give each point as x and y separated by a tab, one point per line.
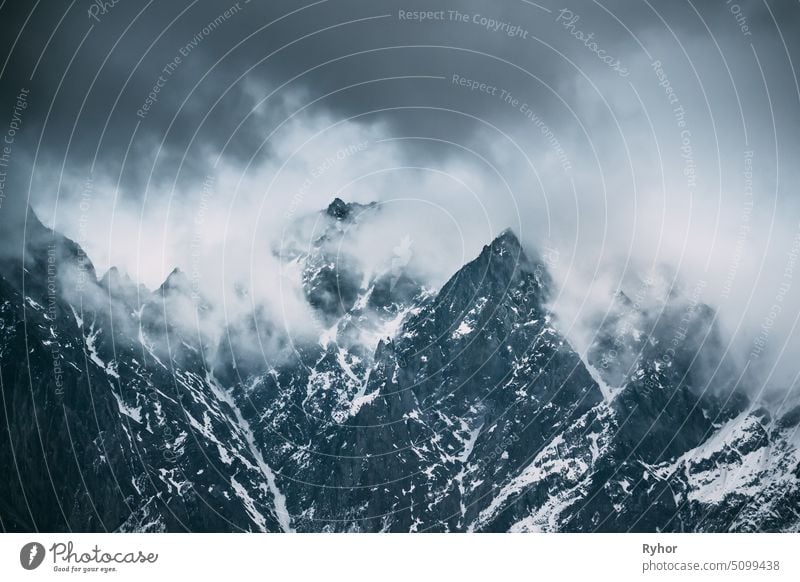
457	409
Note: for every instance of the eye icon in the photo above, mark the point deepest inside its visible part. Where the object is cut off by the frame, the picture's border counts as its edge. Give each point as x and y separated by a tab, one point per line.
31	555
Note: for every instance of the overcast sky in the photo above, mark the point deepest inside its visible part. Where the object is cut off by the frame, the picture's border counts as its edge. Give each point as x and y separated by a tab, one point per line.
622	133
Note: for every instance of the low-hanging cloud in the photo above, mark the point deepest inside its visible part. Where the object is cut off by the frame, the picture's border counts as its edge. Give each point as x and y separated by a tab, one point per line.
685	161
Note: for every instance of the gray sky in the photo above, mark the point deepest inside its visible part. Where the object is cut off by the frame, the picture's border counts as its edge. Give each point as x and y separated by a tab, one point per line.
623	141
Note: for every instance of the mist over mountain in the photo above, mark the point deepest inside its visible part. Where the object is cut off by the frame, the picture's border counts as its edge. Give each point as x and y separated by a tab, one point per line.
686	161
456	408
387	266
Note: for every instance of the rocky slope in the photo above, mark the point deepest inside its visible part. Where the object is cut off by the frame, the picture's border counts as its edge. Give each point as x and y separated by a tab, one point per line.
457	409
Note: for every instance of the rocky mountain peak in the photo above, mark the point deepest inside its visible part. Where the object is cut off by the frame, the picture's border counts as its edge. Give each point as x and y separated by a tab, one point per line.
176	281
474	413
507	241
343	211
501	270
115	280
338	209
44	252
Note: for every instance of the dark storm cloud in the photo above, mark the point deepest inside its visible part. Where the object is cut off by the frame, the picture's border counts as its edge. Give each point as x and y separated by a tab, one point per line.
90	70
160	88
89	84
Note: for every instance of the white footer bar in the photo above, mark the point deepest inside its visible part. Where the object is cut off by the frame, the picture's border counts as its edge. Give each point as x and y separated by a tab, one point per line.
356	557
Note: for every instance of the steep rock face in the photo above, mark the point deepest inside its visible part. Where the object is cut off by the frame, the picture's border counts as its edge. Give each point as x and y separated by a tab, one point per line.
474	386
331	277
462	409
743	478
314	385
101	434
